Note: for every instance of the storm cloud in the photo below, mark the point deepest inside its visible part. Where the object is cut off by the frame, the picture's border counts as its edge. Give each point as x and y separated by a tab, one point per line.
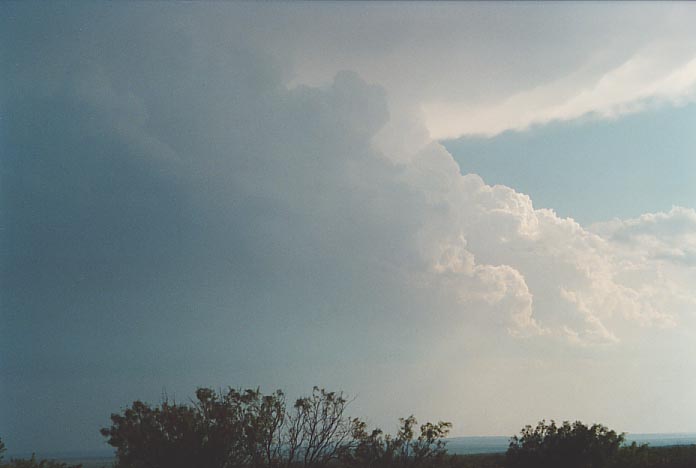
178	211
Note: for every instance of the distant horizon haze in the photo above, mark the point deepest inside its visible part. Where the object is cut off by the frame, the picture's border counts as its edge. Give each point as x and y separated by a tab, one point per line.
460	445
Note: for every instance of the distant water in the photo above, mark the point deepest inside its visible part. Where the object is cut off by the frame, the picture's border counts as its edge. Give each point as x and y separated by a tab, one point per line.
469	445
497	444
661	440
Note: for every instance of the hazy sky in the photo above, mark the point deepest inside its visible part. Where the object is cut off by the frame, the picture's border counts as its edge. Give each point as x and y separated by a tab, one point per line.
483	213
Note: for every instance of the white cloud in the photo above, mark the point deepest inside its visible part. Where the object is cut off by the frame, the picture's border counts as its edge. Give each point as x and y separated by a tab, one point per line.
482	69
360	192
668	237
539	273
645	80
269	223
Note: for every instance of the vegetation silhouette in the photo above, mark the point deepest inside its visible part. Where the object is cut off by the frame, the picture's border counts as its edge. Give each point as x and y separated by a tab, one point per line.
376	449
576	445
245	428
249	429
569	445
34	463
31	462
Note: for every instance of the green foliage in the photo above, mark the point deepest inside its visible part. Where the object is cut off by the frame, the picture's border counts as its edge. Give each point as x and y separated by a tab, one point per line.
569	445
430	443
247	429
2	449
219	430
232	429
377	449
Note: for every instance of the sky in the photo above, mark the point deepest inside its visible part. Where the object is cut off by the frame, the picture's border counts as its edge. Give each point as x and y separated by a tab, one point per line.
593	170
483	213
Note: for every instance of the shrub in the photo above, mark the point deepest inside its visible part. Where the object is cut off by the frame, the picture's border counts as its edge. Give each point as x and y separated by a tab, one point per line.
232	429
569	445
219	430
238	429
377	449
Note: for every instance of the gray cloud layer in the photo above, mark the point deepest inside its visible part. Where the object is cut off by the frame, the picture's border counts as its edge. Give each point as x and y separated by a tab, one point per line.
175	213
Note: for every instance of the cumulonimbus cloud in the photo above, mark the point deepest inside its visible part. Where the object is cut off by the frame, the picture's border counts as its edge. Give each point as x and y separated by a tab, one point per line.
185	191
254	154
488	70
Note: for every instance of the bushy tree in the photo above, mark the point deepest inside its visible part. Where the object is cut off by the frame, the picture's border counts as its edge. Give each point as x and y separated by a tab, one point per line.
169	435
374	448
233	429
236	429
247	425
568	445
318	429
219	430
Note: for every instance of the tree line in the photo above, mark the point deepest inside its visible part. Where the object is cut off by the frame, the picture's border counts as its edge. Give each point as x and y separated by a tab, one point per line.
236	429
248	429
